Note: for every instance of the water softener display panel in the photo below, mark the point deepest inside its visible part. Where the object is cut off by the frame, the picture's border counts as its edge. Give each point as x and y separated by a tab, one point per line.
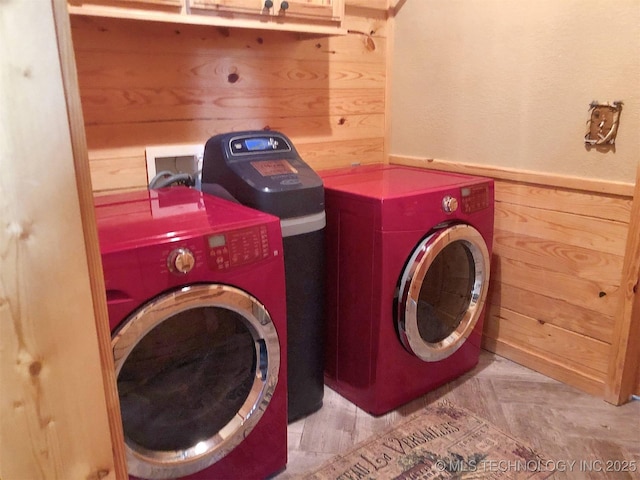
275	170
263	170
255	143
272	157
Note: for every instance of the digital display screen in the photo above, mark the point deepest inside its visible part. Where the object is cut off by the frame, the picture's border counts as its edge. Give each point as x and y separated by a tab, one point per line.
269	168
217	241
250	145
257	144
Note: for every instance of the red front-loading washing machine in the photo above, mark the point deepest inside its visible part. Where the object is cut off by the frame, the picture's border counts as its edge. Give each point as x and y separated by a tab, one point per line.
408	259
196	298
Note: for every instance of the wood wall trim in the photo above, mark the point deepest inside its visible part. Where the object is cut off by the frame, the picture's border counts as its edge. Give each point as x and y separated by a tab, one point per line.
87	213
625	358
391	25
54	421
635	314
547	179
371	4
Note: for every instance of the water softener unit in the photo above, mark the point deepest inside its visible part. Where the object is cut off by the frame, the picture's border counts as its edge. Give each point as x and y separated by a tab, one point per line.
262	170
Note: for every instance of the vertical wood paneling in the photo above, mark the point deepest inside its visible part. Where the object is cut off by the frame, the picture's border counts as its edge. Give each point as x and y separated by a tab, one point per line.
90	233
635	314
145	84
625	360
54	421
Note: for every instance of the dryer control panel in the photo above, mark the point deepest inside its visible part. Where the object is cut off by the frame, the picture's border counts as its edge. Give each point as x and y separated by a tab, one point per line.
474	198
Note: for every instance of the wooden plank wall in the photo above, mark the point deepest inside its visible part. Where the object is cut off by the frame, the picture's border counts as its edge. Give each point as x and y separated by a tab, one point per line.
556	273
557	267
146	84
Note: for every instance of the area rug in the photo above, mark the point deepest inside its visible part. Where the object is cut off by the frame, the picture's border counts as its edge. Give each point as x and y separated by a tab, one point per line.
441	441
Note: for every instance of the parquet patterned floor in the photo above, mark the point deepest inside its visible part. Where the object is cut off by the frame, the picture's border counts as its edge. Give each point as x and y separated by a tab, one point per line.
558	420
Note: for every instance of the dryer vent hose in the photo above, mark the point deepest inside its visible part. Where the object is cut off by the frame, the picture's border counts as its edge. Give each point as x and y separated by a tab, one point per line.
168	179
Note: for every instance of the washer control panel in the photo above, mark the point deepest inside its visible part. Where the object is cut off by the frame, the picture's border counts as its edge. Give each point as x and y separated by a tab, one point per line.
237	247
222	251
474	198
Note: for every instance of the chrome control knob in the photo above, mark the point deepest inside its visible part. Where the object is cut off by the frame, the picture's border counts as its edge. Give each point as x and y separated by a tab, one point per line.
181	261
449	204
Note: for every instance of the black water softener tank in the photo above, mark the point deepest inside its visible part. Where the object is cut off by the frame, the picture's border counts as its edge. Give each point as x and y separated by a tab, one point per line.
262	170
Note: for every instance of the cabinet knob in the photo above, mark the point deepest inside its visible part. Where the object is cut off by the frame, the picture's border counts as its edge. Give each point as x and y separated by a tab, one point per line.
284	5
268	4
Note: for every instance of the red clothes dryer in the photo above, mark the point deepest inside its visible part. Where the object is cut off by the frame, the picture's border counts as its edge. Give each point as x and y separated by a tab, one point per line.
196	297
408	259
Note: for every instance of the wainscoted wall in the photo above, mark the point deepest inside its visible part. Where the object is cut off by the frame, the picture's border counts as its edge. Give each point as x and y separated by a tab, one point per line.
556	279
503	89
557	273
145	83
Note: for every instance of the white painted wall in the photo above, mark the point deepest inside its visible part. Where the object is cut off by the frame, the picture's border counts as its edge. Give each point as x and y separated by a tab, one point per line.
508	83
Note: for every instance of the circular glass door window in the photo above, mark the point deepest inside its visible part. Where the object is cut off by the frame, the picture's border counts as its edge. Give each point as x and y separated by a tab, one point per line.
441	292
195	370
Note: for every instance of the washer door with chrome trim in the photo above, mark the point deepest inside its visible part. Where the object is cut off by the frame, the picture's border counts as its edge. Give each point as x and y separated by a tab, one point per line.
441	292
196	368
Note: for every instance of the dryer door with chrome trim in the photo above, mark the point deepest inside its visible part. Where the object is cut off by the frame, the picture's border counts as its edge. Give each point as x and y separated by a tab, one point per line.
196	368
441	292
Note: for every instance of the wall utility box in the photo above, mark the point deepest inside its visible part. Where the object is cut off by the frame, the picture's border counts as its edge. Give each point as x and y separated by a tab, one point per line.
175	159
